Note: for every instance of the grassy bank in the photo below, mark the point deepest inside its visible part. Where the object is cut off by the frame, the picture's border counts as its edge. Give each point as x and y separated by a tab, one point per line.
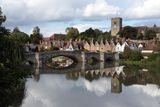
152	61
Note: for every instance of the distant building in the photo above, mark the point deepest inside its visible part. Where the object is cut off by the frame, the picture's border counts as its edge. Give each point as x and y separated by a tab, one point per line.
56	40
116	26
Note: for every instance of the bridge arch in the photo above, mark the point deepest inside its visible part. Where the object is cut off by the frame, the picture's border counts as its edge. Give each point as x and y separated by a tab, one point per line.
75	56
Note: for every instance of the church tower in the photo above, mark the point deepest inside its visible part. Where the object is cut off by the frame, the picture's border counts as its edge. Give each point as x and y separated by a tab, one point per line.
116	26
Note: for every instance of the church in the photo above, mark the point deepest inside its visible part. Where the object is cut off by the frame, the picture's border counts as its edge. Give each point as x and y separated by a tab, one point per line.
116	26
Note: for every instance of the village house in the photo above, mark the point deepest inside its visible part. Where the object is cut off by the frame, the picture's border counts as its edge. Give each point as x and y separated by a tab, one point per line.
102	47
99	46
56	40
150	47
118	48
73	46
87	46
108	47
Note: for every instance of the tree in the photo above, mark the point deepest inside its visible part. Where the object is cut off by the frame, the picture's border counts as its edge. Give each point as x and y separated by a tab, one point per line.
105	36
132	55
19	36
88	34
135	56
128	32
36	36
127	52
72	33
98	32
11	51
139	36
2	18
150	34
16	29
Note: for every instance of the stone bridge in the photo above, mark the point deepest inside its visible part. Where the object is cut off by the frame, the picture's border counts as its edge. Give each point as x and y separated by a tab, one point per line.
78	56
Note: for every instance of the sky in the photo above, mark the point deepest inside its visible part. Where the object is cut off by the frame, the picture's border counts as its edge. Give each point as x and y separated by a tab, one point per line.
54	16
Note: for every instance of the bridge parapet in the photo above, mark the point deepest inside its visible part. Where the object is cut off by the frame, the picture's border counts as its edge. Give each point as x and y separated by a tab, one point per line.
78	56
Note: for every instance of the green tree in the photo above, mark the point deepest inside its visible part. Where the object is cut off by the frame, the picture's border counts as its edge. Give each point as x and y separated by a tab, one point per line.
128	32
88	34
139	36
104	36
11	75
127	52
2	18
19	36
135	56
36	36
150	34
72	33
132	55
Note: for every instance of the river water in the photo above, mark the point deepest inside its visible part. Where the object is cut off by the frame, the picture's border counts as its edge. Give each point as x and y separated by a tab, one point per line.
119	86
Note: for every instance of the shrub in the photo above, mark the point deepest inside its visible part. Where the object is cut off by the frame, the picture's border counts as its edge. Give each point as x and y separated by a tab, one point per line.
132	55
135	56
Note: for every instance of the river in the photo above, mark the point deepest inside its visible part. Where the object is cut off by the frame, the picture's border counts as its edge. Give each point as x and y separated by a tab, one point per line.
120	86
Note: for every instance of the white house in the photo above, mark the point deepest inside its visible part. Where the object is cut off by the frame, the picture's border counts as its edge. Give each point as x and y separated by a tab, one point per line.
72	47
118	48
125	44
140	46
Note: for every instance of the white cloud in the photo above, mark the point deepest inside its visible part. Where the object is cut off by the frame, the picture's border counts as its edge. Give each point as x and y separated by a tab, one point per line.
83	27
32	11
144	9
100	8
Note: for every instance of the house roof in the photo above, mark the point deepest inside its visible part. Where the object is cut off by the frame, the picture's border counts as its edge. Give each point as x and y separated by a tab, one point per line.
57	37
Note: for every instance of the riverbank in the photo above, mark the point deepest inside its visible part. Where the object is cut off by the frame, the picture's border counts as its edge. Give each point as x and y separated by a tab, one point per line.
153	59
12	82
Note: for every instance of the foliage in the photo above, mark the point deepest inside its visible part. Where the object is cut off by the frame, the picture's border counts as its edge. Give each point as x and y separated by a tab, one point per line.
140	36
153	57
2	18
36	36
150	34
89	34
94	34
126	54
135	56
19	36
128	32
72	33
12	73
104	36
132	55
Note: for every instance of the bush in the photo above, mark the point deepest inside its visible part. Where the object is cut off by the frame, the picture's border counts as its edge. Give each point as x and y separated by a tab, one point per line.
127	52
132	55
136	56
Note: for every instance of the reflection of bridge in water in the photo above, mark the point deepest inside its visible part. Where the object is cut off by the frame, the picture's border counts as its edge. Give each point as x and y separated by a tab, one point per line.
90	73
119	75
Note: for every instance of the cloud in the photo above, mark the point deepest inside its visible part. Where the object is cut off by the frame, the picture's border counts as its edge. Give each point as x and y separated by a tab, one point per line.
100	8
32	11
39	12
83	27
144	9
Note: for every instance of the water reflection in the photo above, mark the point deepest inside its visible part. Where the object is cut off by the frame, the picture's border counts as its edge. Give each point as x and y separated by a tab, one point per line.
112	87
